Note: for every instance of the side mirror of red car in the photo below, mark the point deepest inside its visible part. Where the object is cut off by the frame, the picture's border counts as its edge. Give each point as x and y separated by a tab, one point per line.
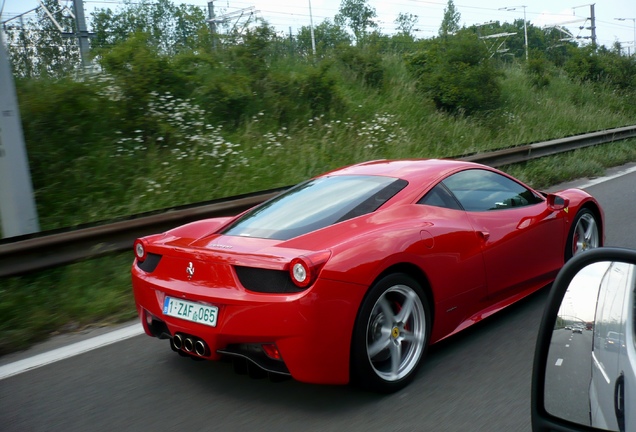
556	202
584	376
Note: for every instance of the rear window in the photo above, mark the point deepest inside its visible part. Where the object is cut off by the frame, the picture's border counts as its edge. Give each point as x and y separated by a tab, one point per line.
316	204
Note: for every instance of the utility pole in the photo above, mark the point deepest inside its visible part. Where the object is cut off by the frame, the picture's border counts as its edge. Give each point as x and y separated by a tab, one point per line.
634	41
82	32
212	23
18	212
525	25
593	24
311	27
291	42
525	30
27	63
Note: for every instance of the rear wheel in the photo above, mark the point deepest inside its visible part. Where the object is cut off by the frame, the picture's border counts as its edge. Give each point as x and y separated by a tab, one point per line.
584	234
390	335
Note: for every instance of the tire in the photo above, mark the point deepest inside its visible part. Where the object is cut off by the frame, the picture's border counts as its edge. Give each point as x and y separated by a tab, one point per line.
390	335
584	234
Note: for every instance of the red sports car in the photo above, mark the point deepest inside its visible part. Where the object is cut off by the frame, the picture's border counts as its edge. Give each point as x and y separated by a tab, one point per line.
349	276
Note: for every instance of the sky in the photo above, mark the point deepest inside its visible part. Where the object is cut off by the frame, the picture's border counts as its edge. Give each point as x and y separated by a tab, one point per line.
283	14
581	296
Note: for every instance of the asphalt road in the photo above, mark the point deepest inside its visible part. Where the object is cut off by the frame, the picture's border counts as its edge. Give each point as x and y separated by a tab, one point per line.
568	375
476	381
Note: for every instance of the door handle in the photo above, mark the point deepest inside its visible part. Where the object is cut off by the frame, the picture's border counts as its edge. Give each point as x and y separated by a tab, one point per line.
619	402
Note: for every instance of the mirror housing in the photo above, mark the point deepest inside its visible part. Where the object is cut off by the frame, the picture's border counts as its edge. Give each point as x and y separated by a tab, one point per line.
556	202
542	420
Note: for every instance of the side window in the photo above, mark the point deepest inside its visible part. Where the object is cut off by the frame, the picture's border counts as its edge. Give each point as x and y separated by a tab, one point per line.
439	196
482	190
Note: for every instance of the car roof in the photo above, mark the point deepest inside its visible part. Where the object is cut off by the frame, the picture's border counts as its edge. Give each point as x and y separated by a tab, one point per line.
412	170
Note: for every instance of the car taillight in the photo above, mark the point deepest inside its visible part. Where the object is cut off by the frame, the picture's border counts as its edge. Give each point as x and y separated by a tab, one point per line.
140	250
305	269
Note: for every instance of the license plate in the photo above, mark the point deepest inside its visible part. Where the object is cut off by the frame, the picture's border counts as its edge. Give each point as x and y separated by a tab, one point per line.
190	311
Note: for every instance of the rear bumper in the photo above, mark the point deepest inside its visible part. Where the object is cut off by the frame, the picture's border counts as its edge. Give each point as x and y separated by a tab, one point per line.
312	330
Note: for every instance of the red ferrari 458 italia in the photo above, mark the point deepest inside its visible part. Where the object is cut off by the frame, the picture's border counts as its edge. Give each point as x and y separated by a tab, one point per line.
349	276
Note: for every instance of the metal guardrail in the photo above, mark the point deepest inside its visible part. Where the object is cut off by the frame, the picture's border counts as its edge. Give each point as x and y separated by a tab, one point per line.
43	251
29	253
528	152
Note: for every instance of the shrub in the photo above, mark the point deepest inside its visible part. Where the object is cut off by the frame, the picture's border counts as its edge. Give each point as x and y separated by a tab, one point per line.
310	92
365	63
602	66
457	74
537	69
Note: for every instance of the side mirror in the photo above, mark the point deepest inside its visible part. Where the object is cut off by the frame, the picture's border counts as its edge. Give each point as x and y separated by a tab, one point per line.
584	376
556	202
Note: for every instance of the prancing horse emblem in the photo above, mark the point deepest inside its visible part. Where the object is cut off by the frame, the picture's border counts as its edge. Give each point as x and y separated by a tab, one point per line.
190	271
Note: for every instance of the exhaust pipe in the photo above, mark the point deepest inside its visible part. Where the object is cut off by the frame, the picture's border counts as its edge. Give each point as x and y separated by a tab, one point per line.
188	344
200	348
177	341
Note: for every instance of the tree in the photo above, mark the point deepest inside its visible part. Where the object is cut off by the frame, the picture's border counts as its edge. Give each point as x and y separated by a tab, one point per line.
327	35
538	69
450	22
406	22
170	28
358	16
39	48
457	74
600	65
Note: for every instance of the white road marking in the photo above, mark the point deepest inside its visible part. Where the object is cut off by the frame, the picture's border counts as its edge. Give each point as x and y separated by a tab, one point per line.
600	367
567	345
607	178
559	362
58	354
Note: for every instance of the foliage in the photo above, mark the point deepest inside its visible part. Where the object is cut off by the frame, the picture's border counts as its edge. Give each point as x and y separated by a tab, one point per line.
38	48
366	64
171	29
358	16
537	69
450	22
328	38
102	148
584	65
457	74
252	54
45	303
406	22
311	92
602	66
139	70
69	129
546	41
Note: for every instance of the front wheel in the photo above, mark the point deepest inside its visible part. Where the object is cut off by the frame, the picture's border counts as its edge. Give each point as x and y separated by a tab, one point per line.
584	234
390	335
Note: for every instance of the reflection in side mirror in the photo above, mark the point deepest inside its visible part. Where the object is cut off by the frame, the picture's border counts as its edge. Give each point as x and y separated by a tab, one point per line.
587	346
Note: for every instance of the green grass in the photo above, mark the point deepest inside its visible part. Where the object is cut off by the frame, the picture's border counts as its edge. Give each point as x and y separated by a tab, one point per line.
592	162
89	293
126	173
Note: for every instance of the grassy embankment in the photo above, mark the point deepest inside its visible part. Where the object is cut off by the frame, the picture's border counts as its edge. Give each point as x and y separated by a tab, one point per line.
123	175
